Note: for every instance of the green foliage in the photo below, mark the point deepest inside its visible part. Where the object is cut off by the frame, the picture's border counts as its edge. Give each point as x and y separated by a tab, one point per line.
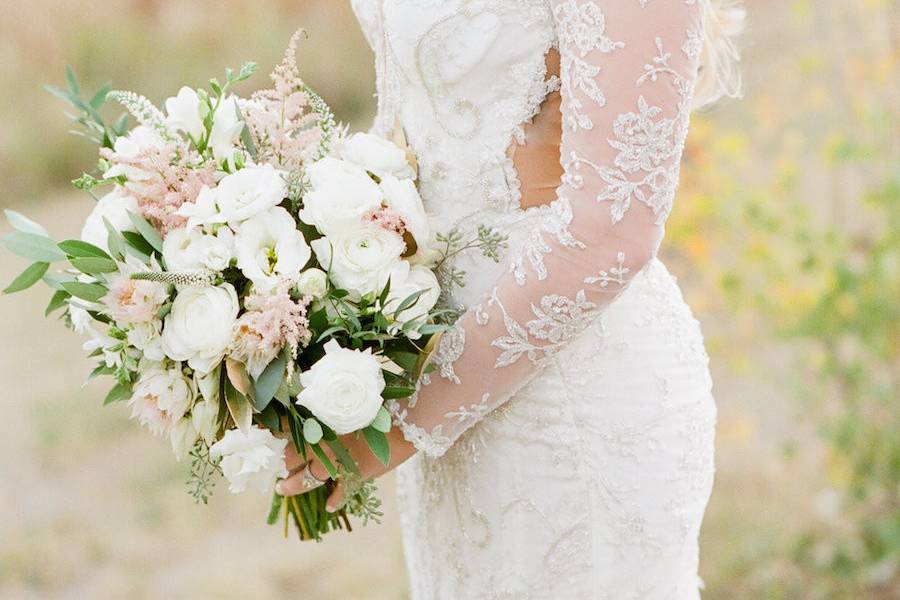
204	470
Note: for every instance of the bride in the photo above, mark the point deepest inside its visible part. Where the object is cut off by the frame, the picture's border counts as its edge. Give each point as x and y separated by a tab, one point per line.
563	446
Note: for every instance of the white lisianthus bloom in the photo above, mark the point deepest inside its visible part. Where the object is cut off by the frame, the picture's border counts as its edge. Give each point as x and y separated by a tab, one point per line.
114	207
161	397
187	249
184	113
269	247
343	389
183	436
402	197
147	337
130	146
419	279
205	418
313	282
340	195
375	154
198	328
361	260
226	130
254	459
249	192
203	211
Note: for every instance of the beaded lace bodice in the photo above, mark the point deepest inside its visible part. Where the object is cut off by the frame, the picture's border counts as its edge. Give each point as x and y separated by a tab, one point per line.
463	76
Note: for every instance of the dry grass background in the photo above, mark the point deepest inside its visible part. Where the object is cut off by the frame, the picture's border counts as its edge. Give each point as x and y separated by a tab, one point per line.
93	507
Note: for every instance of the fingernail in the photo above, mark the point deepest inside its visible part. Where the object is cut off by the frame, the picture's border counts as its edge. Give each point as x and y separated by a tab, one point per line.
279	488
330	508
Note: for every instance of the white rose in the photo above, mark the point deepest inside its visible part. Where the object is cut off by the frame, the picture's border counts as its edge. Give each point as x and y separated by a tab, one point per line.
161	397
205	418
361	260
375	154
313	282
184	113
147	337
402	197
198	329
226	130
419	278
114	207
186	250
183	436
249	192
340	194
343	389
268	247
254	459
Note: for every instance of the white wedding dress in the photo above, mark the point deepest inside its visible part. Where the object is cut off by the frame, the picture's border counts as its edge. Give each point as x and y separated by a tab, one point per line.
566	437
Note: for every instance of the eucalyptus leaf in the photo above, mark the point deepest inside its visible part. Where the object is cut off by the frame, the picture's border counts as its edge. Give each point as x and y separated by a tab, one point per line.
312	431
320	454
60	298
147	231
36	247
269	380
118	393
80	249
115	241
238	407
378	444
392	393
22	223
92	292
94	265
28	278
382	421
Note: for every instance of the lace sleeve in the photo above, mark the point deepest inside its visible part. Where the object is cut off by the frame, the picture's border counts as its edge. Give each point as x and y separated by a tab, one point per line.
628	69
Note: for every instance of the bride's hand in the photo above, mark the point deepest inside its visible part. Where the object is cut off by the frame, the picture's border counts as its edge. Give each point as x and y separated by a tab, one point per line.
300	481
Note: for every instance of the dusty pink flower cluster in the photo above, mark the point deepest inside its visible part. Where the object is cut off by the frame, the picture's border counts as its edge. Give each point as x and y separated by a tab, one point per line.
280	119
387	219
273	321
162	179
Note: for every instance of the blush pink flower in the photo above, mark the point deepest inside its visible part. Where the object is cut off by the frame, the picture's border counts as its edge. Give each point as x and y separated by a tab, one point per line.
387	219
273	321
130	301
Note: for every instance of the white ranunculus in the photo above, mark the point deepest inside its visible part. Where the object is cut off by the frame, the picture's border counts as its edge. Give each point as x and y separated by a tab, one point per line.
226	130
343	389
184	113
419	278
114	207
269	247
402	197
249	192
161	397
147	337
188	249
183	436
340	195
205	417
375	154
361	260
198	328
203	211
313	282
251	460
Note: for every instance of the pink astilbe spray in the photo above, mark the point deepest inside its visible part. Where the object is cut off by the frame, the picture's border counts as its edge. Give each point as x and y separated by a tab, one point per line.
162	178
386	219
273	321
280	120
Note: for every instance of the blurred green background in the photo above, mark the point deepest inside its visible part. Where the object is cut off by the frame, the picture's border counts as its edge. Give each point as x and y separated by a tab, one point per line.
784	237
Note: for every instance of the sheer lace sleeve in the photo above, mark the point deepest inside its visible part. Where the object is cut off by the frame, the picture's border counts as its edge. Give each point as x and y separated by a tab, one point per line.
628	69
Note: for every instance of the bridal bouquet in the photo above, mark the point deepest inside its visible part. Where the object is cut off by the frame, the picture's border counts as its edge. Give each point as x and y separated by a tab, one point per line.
250	276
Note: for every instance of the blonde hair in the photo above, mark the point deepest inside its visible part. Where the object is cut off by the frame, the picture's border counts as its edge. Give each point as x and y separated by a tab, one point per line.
720	73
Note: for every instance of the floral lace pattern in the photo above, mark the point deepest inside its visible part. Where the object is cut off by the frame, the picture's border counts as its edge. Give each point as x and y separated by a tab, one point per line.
606	447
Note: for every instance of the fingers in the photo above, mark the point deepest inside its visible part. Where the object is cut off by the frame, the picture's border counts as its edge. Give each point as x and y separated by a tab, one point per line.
303	480
335	499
